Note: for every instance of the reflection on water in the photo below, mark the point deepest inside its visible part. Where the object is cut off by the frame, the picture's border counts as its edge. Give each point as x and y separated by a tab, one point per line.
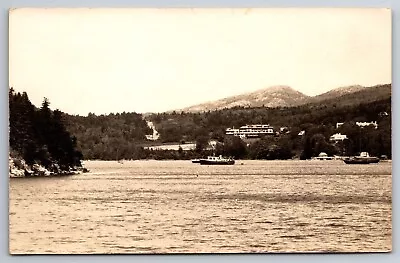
177	207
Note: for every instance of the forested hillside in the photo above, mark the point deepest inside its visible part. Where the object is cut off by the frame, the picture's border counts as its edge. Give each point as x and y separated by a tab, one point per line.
317	120
121	136
109	137
352	95
39	136
59	141
188	126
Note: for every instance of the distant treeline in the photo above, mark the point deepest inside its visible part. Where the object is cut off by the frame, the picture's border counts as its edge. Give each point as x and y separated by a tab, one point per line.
286	146
110	137
39	136
178	126
122	136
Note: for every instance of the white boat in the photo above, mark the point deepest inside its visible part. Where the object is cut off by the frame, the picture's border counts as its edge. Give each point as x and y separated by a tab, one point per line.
217	160
323	156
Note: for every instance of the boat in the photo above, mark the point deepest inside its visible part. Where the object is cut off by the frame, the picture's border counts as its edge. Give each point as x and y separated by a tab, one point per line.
323	156
384	158
363	158
196	161
217	160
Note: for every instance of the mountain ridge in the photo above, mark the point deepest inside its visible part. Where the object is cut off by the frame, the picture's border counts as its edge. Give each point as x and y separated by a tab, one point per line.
277	96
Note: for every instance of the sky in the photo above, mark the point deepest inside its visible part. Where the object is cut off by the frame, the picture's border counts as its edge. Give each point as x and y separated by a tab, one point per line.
155	60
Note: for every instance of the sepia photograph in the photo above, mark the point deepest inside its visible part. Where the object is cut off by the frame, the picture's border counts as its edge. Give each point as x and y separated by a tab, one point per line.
200	130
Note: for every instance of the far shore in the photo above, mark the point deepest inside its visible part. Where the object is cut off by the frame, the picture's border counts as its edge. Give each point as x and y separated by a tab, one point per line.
237	160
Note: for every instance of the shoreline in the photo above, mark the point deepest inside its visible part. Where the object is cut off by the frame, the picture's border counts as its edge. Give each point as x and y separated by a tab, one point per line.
237	160
18	168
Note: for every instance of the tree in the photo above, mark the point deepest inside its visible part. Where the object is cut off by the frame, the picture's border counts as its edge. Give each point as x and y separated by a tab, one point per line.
39	135
201	143
319	144
271	148
234	146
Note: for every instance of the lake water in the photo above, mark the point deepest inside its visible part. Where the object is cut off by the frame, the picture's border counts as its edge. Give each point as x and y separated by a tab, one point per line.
178	207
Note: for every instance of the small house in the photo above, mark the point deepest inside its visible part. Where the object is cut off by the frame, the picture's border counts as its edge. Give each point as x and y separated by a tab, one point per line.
337	137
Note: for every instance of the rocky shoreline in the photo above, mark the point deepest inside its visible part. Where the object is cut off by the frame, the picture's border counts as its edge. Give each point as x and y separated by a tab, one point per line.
19	168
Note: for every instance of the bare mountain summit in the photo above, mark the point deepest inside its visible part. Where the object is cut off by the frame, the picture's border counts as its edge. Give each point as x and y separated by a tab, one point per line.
277	96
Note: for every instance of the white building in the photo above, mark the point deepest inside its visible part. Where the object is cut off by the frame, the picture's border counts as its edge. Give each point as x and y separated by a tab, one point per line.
175	147
301	133
360	124
251	131
365	124
337	137
339	124
185	147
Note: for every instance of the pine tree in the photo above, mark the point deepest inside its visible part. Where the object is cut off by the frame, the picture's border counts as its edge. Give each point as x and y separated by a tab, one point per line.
39	135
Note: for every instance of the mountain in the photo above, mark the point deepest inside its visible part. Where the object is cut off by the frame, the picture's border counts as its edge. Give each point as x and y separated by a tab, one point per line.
269	97
284	96
353	95
336	93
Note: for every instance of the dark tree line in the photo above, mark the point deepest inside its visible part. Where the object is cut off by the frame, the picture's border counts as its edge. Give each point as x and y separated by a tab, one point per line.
110	137
39	135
